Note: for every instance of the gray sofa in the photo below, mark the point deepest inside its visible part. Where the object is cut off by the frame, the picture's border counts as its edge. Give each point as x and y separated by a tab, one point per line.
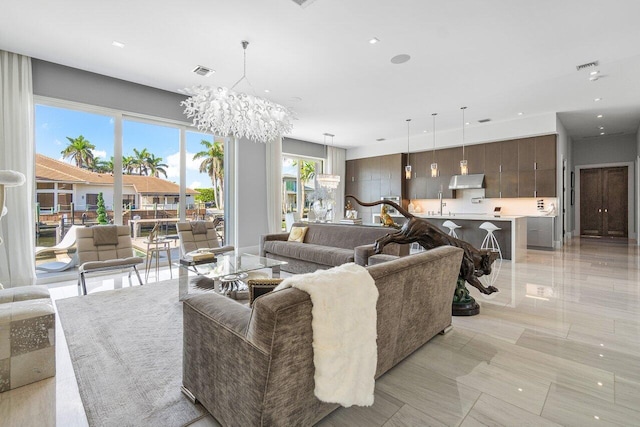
326	246
254	367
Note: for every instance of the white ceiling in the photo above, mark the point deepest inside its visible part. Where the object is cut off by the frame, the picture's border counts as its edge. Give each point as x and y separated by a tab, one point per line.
497	57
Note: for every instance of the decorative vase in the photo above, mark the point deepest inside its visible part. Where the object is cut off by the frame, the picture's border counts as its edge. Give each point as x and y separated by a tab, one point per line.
320	208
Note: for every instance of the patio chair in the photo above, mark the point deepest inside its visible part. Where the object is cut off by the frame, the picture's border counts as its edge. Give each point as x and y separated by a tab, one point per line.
105	247
66	243
199	235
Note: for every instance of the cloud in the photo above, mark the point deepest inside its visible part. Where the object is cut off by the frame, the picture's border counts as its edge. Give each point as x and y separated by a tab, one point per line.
99	153
173	160
57	142
195	184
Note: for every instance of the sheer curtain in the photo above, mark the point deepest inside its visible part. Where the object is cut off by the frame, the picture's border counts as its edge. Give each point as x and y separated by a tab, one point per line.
17	264
274	185
336	165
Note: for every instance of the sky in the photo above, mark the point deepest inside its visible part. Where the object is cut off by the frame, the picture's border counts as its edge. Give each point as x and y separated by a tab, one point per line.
54	125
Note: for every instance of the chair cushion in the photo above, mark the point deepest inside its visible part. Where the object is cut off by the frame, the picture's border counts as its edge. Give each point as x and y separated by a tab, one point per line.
110	264
297	234
105	235
318	254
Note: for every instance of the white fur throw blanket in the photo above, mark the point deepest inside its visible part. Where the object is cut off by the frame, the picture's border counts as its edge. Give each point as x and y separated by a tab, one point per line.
345	353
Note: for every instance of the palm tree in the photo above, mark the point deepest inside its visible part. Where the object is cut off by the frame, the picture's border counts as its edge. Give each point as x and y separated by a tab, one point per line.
156	167
80	150
307	173
102	166
213	165
128	164
141	160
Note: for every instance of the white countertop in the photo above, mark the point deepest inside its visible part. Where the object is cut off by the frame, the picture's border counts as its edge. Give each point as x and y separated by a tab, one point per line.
477	217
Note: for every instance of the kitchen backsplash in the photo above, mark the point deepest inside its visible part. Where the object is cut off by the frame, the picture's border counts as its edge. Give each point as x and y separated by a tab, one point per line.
473	202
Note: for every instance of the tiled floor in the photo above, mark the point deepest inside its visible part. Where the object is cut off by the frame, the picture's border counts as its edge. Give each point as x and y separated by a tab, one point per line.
558	345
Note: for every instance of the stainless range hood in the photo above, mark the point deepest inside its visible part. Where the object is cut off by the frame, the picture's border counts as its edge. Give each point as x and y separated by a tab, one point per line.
463	182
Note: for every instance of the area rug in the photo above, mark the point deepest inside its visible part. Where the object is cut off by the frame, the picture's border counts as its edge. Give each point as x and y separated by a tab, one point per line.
126	350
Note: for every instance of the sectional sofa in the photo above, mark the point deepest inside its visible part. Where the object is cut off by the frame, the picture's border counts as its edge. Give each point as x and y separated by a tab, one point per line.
326	246
254	367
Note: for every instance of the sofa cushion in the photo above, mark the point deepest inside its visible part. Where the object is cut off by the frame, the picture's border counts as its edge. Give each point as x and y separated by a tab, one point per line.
319	254
297	234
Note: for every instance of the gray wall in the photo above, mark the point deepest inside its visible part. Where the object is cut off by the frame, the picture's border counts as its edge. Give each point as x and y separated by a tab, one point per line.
252	195
605	149
303	148
61	82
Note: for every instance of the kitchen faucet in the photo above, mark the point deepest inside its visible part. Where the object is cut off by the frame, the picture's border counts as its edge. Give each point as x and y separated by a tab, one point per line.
442	203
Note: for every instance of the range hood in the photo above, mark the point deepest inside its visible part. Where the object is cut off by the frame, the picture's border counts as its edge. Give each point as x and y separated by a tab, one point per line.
463	182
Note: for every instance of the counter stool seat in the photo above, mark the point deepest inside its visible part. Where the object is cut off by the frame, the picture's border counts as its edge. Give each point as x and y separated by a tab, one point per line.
490	241
452	226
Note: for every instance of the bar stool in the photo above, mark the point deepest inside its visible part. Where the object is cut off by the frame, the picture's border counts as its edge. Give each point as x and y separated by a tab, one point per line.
490	241
154	247
452	226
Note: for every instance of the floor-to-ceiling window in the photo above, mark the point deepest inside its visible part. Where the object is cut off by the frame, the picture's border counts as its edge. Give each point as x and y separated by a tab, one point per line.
299	184
76	161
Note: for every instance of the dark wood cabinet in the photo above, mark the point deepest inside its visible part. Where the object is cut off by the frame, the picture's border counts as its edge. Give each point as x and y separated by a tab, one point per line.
524	167
537	166
475	155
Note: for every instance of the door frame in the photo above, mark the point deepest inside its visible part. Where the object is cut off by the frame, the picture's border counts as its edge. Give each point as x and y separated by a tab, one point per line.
631	233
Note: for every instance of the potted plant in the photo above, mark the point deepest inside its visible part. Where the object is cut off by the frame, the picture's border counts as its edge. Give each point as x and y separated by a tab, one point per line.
101	211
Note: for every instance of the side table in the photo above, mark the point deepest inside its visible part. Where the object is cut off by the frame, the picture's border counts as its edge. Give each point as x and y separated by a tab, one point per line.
154	247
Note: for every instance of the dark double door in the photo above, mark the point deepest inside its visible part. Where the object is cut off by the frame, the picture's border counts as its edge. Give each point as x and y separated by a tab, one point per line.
604	209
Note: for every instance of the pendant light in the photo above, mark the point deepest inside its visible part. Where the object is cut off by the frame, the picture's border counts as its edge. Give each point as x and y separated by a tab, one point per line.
434	165
464	170
328	180
407	169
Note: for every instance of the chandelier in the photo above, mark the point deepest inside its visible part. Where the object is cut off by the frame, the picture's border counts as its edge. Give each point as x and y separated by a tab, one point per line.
328	180
227	113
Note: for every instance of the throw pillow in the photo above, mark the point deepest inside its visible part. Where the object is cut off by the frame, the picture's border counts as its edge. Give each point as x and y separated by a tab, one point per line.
297	234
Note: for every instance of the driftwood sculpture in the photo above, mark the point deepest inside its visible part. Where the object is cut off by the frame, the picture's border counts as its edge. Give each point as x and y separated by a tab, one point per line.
475	262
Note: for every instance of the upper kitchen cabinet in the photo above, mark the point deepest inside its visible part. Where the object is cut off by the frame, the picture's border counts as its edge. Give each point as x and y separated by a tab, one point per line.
537	166
417	185
501	169
475	155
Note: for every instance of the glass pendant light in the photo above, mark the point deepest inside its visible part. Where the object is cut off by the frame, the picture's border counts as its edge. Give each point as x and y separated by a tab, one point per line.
407	169
463	163
328	180
434	165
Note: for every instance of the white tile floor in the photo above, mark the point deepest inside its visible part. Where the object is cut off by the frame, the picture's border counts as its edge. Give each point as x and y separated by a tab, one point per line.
558	345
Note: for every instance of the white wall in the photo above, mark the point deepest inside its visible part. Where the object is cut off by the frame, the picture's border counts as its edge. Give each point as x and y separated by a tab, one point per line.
475	133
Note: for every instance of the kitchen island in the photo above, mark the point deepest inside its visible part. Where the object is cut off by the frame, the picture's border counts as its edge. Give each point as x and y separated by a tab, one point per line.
512	237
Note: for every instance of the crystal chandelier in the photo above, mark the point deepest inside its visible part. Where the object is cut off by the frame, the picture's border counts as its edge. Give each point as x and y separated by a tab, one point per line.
227	113
464	170
434	165
407	169
328	180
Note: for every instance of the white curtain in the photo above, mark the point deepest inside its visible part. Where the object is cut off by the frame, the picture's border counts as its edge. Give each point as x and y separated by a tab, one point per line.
336	165
274	185
17	264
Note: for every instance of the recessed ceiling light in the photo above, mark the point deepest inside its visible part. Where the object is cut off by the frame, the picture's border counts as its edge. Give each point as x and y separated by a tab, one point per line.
601	128
400	59
594	73
424	131
520	113
596	417
267	91
599	116
467	123
374	40
117	44
601	133
597	99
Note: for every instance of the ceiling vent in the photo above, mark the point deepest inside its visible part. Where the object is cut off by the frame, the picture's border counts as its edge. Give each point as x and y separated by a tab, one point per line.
203	71
303	3
484	120
587	65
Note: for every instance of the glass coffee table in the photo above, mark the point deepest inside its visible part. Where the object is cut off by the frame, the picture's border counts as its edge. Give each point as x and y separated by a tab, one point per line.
226	273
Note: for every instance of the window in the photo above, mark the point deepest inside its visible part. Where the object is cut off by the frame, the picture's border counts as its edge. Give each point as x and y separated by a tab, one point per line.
91	201
45	186
298	183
